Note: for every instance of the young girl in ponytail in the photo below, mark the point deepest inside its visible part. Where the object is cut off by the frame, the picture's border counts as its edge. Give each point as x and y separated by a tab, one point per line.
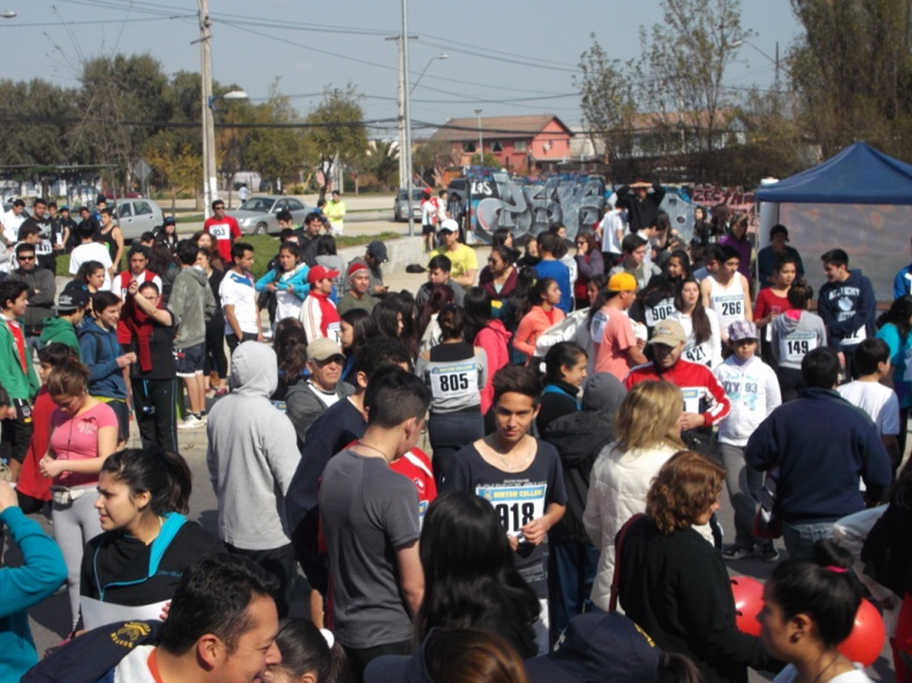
309	655
146	543
809	610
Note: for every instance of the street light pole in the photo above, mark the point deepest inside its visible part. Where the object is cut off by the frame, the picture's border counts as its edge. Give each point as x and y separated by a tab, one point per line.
480	139
421	75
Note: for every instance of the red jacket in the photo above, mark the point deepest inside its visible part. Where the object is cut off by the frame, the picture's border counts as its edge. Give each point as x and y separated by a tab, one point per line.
320	317
494	339
697	384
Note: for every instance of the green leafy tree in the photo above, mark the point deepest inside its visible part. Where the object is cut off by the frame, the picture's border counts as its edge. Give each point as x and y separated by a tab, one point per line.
336	133
115	93
684	59
276	152
606	99
382	162
852	72
432	158
35	114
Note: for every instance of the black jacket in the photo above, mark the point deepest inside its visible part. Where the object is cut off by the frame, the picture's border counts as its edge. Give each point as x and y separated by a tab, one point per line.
641	213
114	558
578	437
887	553
41	303
677	589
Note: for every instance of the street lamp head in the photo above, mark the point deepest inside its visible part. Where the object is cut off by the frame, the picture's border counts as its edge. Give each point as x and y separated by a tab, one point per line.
236	95
443	56
8	14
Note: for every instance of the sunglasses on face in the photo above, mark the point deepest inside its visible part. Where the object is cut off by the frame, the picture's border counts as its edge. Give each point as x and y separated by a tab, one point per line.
26	258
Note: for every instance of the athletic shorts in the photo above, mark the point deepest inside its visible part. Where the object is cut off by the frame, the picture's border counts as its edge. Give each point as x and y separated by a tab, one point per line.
190	361
428	229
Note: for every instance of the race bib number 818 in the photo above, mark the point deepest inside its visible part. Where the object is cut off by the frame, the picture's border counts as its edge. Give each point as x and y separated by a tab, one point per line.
515	506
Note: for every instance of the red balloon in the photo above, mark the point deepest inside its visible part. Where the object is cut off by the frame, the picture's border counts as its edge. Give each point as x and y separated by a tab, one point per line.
866	641
748	594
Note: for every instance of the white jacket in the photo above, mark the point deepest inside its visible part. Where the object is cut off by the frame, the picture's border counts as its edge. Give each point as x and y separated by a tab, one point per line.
753	391
617	491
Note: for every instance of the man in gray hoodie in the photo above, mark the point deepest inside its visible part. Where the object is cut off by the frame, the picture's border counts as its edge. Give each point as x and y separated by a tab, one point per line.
252	457
193	303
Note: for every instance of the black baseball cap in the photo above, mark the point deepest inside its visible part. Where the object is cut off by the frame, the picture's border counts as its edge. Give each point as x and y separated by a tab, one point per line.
170	221
598	646
72	298
377	249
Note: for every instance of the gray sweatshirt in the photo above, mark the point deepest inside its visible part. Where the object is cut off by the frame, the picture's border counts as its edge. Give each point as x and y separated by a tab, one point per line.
252	454
793	339
193	302
455	384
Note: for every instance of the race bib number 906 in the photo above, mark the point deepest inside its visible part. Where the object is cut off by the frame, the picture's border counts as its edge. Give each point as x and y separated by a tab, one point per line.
515	506
454	381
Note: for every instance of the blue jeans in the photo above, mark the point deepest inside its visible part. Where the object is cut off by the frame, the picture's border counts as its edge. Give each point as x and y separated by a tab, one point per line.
800	538
450	432
571	573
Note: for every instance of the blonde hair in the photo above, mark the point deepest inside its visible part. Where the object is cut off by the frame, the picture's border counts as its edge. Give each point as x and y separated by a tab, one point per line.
649	416
686	486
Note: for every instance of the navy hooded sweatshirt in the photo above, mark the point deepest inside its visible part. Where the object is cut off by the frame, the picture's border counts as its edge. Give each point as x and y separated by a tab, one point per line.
848	310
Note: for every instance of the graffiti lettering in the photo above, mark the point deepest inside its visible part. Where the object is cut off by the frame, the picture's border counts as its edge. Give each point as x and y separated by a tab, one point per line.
527	208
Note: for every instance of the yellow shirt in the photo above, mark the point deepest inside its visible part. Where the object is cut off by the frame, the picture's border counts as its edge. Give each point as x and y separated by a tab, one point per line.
335	212
462	259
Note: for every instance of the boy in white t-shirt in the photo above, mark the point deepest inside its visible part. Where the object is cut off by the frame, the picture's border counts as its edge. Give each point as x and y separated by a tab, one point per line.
90	250
871	361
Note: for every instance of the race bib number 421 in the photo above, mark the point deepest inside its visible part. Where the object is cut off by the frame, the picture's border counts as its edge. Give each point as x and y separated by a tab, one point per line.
515	506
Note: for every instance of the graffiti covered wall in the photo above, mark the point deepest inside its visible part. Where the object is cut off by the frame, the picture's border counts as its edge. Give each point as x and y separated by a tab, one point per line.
528	207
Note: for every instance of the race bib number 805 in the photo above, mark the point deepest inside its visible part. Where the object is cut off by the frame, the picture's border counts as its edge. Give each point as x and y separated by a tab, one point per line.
454	381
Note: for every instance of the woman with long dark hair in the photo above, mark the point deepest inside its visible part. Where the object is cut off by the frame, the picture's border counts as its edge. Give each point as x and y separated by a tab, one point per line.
589	262
147	542
470	580
701	325
565	373
487	334
428	329
386	320
541	314
499	277
404	301
290	346
656	301
354	330
894	327
287	282
216	359
454	372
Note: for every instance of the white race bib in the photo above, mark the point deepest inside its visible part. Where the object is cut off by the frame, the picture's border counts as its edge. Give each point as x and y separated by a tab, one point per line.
662	311
515	506
220	232
795	346
454	381
730	308
597	328
691	399
43	248
699	353
856	337
334	332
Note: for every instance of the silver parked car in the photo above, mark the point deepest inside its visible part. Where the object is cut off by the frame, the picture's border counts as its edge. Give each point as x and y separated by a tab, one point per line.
257	216
400	210
136	216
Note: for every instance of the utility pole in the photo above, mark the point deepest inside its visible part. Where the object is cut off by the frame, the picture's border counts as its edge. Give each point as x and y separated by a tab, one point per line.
777	67
403	174
210	186
480	139
406	112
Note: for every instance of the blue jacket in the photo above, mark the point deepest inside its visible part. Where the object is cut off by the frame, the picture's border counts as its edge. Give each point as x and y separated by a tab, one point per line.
561	274
846	307
822	445
100	351
42	572
902	283
298	279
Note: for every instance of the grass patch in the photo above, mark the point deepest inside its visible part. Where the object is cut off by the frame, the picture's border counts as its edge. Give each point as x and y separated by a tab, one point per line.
264	246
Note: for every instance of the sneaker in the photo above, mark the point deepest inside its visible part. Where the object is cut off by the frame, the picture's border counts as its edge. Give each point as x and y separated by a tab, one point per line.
737	552
768	552
191	423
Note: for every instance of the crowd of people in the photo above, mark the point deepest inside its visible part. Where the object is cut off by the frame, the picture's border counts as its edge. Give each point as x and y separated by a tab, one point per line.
584	413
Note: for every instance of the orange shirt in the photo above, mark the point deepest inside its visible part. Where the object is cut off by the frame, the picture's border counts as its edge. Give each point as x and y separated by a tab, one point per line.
612	334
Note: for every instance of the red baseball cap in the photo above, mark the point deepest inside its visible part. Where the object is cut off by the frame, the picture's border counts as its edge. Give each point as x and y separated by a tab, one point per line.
318	273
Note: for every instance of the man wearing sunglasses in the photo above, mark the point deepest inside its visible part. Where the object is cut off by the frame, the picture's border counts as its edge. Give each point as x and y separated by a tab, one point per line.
41	293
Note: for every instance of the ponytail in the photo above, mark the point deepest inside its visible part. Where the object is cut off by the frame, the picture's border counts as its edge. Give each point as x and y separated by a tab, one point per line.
164	474
307	649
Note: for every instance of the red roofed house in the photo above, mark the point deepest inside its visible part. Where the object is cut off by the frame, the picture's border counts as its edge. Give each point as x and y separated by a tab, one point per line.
520	143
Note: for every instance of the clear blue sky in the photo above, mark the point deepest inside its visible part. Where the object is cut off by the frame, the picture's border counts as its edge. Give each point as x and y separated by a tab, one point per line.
504	57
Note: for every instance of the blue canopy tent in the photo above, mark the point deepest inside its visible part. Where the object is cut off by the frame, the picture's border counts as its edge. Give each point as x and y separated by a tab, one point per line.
859	200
